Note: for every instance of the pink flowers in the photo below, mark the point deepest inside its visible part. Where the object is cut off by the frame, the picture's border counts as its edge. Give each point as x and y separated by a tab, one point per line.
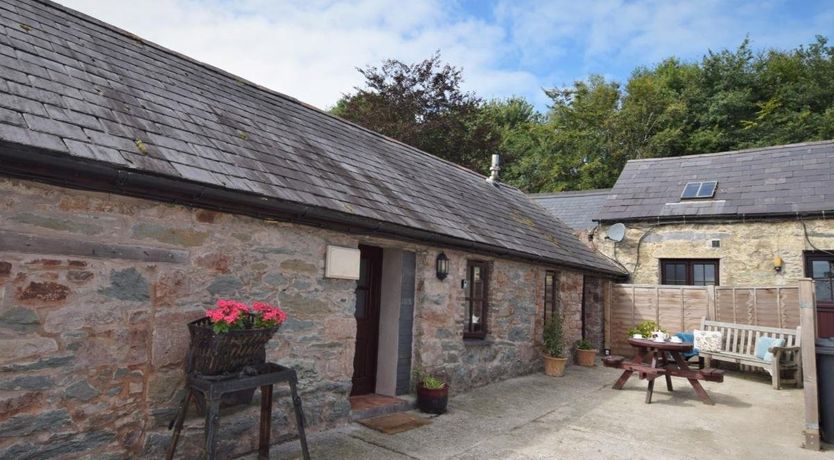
267	315
231	314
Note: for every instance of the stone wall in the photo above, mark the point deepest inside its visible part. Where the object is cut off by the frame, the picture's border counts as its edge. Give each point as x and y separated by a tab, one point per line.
92	344
746	250
509	348
92	349
594	311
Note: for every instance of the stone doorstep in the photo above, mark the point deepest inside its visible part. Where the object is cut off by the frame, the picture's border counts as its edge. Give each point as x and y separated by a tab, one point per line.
368	406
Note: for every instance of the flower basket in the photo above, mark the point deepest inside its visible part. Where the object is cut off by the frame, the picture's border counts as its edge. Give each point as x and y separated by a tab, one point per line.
226	353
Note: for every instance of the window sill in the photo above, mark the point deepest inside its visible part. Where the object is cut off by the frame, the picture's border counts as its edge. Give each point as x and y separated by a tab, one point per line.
472	342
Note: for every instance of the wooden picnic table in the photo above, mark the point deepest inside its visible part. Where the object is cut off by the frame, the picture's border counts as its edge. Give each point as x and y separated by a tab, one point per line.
656	359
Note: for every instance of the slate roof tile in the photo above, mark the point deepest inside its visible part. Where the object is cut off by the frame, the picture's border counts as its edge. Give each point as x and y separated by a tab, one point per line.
781	180
104	88
576	209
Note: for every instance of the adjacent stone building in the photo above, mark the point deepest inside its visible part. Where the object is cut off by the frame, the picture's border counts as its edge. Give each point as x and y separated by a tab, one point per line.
138	186
758	217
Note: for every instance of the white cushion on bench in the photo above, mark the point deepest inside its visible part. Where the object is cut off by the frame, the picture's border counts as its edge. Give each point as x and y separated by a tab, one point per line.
707	340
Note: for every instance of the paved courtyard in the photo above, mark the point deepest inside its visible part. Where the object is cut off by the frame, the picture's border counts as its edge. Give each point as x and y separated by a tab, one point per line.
580	416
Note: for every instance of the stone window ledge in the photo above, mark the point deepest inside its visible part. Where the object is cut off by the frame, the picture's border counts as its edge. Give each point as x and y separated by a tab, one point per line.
477	342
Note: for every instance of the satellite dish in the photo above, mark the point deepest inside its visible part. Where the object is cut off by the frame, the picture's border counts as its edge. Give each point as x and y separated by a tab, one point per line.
616	232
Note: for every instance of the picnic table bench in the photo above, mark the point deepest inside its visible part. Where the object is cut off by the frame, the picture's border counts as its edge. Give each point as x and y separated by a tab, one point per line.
739	345
664	359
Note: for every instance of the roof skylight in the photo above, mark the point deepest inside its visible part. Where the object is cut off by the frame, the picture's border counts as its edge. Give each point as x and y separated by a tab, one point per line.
693	190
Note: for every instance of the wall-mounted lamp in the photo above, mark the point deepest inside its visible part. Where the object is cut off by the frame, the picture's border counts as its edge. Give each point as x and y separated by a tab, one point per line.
777	264
442	266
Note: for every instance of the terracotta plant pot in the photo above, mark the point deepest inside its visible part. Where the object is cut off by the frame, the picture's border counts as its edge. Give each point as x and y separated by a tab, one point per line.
554	367
432	401
586	358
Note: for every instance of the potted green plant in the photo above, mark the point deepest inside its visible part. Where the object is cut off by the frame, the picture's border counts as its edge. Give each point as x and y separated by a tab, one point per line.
554	359
586	354
432	393
645	329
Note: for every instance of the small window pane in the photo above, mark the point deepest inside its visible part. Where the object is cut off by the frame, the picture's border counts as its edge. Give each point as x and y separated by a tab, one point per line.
691	190
476	300
675	273
477	315
478	290
698	274
709	274
707	189
820	269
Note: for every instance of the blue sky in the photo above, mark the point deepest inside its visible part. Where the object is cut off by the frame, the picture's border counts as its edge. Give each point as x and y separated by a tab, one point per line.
309	49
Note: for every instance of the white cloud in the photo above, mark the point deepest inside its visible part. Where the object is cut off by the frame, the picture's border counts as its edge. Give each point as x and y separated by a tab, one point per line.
310	49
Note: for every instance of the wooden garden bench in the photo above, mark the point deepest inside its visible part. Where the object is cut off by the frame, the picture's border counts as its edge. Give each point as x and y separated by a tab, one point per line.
738	343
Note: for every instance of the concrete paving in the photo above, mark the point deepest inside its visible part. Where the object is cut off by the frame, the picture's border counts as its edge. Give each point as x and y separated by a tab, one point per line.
580	416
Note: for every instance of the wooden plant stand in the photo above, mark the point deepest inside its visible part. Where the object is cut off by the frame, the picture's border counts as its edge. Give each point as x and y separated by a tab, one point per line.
213	390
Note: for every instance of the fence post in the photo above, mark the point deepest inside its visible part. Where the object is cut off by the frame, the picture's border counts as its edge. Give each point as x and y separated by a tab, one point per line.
808	322
711	299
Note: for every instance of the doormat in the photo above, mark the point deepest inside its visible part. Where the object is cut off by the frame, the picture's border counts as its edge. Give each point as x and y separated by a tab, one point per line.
395	423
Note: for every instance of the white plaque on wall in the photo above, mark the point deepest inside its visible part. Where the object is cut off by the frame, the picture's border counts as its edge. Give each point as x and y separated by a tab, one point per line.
342	263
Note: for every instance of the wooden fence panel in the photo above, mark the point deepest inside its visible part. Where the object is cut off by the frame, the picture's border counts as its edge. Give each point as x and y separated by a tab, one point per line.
695	309
767	307
672	301
790	309
724	306
622	317
681	308
645	304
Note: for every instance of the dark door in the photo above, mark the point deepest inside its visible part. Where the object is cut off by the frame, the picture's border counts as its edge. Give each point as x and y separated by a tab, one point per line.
820	267
367	320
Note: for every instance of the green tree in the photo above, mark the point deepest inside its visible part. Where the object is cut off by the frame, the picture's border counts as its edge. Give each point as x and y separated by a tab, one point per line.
729	99
423	105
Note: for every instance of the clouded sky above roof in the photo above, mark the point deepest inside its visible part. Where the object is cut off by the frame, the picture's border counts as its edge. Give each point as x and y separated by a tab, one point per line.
309	49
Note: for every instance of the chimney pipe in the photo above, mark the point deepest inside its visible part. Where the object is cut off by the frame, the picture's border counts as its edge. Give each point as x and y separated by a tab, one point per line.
494	169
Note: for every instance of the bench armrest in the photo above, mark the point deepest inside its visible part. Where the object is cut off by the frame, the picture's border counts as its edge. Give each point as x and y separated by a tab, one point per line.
780	353
783	349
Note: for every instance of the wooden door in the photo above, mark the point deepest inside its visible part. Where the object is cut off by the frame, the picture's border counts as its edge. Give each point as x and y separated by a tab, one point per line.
367	320
820	267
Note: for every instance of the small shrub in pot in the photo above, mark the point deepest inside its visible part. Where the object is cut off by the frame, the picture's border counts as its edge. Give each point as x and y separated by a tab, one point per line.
586	354
432	393
554	360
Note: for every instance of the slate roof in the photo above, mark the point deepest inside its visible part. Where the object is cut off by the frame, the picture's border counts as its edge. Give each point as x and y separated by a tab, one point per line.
786	180
79	89
575	209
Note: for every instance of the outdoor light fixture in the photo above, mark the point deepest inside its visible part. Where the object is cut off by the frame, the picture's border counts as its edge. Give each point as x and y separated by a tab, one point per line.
777	264
442	266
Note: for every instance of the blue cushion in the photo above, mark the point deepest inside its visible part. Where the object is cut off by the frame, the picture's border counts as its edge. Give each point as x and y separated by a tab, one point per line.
763	344
688	337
